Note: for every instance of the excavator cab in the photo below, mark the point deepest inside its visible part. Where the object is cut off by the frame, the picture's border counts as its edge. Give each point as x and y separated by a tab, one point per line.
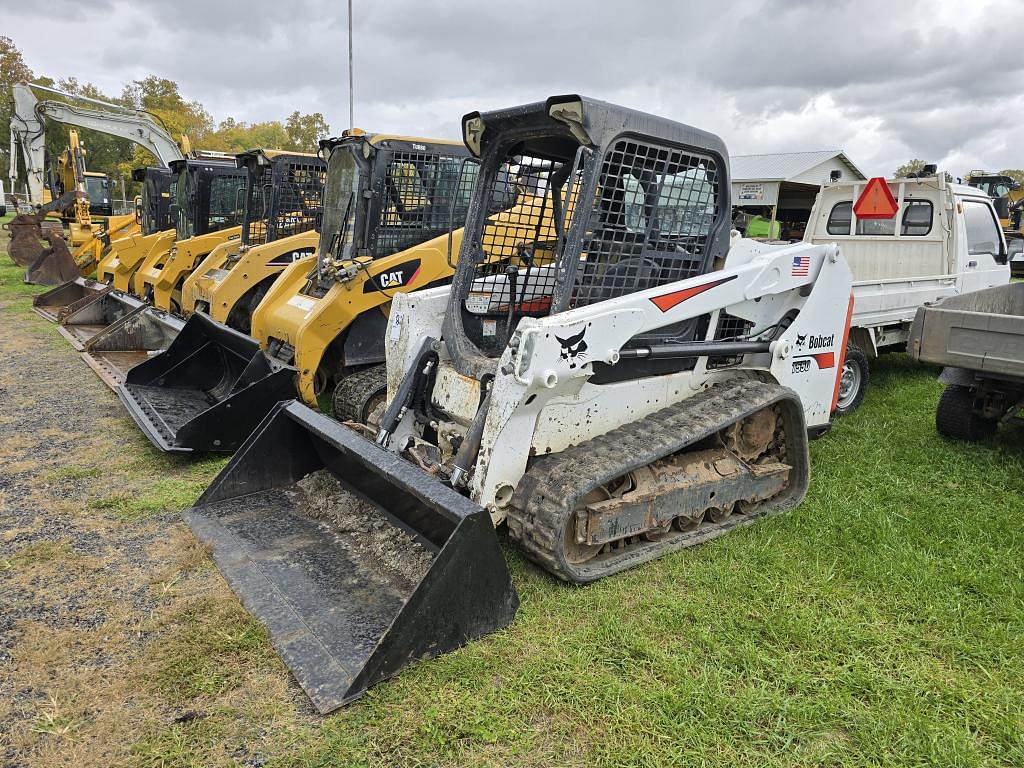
97	187
389	204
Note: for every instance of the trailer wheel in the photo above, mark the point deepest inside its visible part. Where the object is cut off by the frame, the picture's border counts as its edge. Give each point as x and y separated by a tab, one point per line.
956	418
853	380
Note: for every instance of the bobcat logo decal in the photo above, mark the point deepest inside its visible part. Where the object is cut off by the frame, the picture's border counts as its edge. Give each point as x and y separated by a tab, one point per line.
801	339
574	348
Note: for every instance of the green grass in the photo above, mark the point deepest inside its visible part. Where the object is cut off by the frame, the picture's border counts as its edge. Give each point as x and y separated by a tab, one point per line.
183	485
878	624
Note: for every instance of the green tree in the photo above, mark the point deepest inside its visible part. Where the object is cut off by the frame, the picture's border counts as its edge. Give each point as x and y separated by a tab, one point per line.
305	131
13	69
1016	174
915	166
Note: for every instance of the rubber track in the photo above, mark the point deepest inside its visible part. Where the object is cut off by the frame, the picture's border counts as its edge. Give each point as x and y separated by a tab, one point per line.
355	389
550	489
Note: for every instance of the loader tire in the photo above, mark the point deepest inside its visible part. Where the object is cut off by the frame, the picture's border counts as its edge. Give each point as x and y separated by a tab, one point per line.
359	393
956	418
853	380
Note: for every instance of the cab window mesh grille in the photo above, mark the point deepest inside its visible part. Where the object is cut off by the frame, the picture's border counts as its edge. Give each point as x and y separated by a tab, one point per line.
284	199
652	217
422	193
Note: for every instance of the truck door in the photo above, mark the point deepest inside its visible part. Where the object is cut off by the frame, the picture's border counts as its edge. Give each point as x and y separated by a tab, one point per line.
983	254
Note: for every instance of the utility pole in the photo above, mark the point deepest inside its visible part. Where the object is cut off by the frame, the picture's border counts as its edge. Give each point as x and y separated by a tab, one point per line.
351	93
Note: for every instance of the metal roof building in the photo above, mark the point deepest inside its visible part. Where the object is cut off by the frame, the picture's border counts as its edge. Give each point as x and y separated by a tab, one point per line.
789	180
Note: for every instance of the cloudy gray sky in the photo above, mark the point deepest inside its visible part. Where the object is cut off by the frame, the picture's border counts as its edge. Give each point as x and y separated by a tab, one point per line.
885	80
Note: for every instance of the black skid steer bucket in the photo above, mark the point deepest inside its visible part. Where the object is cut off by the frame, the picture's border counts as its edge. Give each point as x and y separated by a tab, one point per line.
58	302
116	332
358	562
207	391
90	318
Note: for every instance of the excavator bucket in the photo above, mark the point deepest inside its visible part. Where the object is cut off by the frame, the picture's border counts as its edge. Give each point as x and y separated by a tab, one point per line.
54	265
61	301
207	391
358	562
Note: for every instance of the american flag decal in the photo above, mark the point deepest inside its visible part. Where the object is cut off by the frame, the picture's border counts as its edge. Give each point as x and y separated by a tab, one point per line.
801	266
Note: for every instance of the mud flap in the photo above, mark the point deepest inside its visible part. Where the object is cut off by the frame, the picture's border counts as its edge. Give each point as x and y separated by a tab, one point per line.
337	625
207	391
58	302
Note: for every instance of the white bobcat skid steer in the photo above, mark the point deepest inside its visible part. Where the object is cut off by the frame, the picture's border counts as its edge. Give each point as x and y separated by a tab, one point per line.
626	387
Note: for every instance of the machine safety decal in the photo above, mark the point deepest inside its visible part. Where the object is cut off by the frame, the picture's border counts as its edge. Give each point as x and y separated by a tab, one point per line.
666	301
397	276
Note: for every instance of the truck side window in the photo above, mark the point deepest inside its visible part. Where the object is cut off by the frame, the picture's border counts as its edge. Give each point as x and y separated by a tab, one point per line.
982	230
917	218
839	219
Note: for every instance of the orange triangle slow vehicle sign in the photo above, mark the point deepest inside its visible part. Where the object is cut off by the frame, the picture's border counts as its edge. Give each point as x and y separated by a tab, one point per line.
876	201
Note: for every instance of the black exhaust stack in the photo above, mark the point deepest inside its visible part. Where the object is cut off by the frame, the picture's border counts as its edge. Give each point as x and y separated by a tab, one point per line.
337	624
207	391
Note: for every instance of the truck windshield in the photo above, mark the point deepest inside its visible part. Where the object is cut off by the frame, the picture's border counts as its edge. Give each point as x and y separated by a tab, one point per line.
337	233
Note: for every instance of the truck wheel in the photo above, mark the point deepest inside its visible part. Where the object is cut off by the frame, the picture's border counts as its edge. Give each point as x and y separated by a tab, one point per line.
853	380
956	419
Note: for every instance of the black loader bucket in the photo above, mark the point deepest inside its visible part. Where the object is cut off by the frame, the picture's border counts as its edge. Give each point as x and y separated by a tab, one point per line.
358	562
207	391
58	302
117	332
87	320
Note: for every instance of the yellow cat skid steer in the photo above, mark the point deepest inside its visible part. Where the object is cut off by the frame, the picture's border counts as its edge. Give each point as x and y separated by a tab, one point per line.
389	204
284	201
153	212
190	195
222	202
645	387
118	329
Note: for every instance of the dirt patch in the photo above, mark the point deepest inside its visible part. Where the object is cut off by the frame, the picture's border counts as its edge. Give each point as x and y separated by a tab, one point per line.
361	528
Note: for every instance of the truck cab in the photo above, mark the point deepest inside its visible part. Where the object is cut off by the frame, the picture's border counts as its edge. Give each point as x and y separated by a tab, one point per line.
944	240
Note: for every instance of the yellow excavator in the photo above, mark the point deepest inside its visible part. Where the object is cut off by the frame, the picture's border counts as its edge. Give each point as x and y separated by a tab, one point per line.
1007	195
90	237
391	208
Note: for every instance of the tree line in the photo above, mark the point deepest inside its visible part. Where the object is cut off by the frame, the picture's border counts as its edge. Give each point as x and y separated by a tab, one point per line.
162	98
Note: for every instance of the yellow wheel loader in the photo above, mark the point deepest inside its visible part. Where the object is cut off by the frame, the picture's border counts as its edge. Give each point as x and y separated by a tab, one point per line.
390	203
284	201
645	386
153	214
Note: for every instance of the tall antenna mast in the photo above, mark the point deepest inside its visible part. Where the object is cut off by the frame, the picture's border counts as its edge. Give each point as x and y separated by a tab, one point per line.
351	92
